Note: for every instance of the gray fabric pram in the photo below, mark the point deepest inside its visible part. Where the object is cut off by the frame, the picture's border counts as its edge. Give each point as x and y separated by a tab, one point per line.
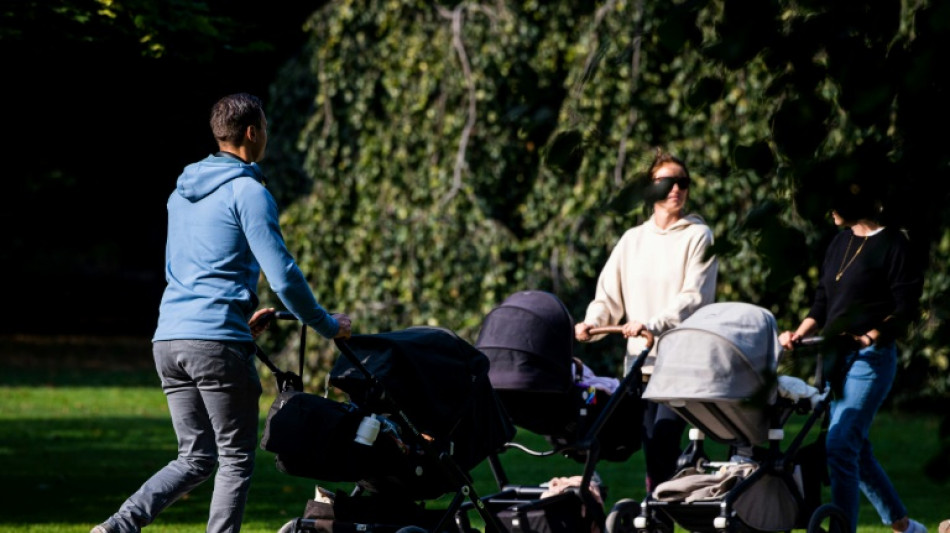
714	366
718	371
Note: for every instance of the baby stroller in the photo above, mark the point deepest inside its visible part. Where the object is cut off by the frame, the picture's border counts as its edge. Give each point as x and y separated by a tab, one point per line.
529	341
420	414
717	370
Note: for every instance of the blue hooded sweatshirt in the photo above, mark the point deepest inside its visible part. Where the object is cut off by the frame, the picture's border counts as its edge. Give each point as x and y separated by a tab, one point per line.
222	231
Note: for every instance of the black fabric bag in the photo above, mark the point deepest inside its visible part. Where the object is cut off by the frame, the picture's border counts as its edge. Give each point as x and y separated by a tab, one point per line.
312	436
561	513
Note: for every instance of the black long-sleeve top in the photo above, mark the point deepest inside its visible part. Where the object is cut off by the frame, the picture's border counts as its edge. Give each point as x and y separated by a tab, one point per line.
880	289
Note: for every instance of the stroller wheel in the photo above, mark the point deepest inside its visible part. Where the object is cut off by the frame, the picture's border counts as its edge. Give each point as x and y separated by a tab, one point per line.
411	529
620	518
289	527
829	518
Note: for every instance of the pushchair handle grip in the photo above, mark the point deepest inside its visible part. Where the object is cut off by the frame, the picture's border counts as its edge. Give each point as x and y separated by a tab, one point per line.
809	341
645	333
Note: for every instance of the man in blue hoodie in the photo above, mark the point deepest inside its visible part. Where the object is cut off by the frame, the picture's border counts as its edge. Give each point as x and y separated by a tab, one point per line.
222	232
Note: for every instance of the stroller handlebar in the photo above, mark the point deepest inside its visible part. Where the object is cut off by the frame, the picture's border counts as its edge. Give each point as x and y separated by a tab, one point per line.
645	333
809	341
284	315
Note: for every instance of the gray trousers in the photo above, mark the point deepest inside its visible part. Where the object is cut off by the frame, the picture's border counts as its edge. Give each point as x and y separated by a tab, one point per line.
213	391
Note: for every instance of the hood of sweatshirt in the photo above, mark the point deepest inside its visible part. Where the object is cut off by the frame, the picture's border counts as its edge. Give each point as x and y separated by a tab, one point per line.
204	177
679	225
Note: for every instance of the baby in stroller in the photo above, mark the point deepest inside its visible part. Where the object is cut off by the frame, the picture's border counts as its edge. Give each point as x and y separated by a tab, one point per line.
717	370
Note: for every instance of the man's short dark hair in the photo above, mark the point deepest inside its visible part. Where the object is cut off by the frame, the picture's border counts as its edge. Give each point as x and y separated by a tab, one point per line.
232	114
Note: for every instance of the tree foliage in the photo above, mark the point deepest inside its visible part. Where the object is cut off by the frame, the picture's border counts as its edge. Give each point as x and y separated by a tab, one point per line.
442	156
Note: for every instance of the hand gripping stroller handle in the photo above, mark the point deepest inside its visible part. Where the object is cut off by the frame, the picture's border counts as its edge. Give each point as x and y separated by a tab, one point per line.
645	333
815	341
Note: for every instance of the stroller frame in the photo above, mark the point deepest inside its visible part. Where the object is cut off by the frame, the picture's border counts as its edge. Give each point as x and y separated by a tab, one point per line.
719	515
462	481
588	447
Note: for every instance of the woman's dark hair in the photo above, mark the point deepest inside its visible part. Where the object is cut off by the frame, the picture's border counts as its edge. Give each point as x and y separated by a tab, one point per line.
232	114
854	201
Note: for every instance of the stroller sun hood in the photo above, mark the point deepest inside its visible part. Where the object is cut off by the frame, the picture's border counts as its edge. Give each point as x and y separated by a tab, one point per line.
713	367
529	340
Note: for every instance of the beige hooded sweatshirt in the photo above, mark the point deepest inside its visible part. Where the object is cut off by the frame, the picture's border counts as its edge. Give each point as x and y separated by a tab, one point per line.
655	276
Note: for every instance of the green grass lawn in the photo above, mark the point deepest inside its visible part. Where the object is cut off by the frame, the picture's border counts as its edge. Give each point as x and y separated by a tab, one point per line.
77	439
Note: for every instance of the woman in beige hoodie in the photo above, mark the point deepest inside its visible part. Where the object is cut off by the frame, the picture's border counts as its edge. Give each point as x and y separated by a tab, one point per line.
657	275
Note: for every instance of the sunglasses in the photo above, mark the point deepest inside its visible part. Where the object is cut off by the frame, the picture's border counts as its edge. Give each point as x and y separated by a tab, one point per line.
682	181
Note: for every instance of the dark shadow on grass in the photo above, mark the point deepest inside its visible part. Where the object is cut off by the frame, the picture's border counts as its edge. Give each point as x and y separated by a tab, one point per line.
80	471
47	360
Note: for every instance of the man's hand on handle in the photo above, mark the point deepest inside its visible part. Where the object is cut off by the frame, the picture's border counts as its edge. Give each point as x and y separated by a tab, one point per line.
260	320
344	321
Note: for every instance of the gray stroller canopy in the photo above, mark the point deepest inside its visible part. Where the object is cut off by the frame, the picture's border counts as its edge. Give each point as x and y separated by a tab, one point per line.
723	352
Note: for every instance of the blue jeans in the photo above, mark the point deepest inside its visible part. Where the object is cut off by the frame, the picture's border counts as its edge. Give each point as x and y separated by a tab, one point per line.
213	391
851	459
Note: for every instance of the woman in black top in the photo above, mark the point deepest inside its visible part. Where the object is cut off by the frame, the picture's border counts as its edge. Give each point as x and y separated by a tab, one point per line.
868	293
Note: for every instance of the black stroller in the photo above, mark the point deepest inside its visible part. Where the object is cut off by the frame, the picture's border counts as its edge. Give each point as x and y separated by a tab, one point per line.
420	415
529	341
718	370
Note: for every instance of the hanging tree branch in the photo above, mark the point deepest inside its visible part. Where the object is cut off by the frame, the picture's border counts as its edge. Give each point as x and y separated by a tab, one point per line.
634	85
594	54
460	163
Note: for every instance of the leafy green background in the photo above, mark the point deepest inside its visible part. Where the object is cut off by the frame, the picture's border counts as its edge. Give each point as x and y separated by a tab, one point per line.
450	154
